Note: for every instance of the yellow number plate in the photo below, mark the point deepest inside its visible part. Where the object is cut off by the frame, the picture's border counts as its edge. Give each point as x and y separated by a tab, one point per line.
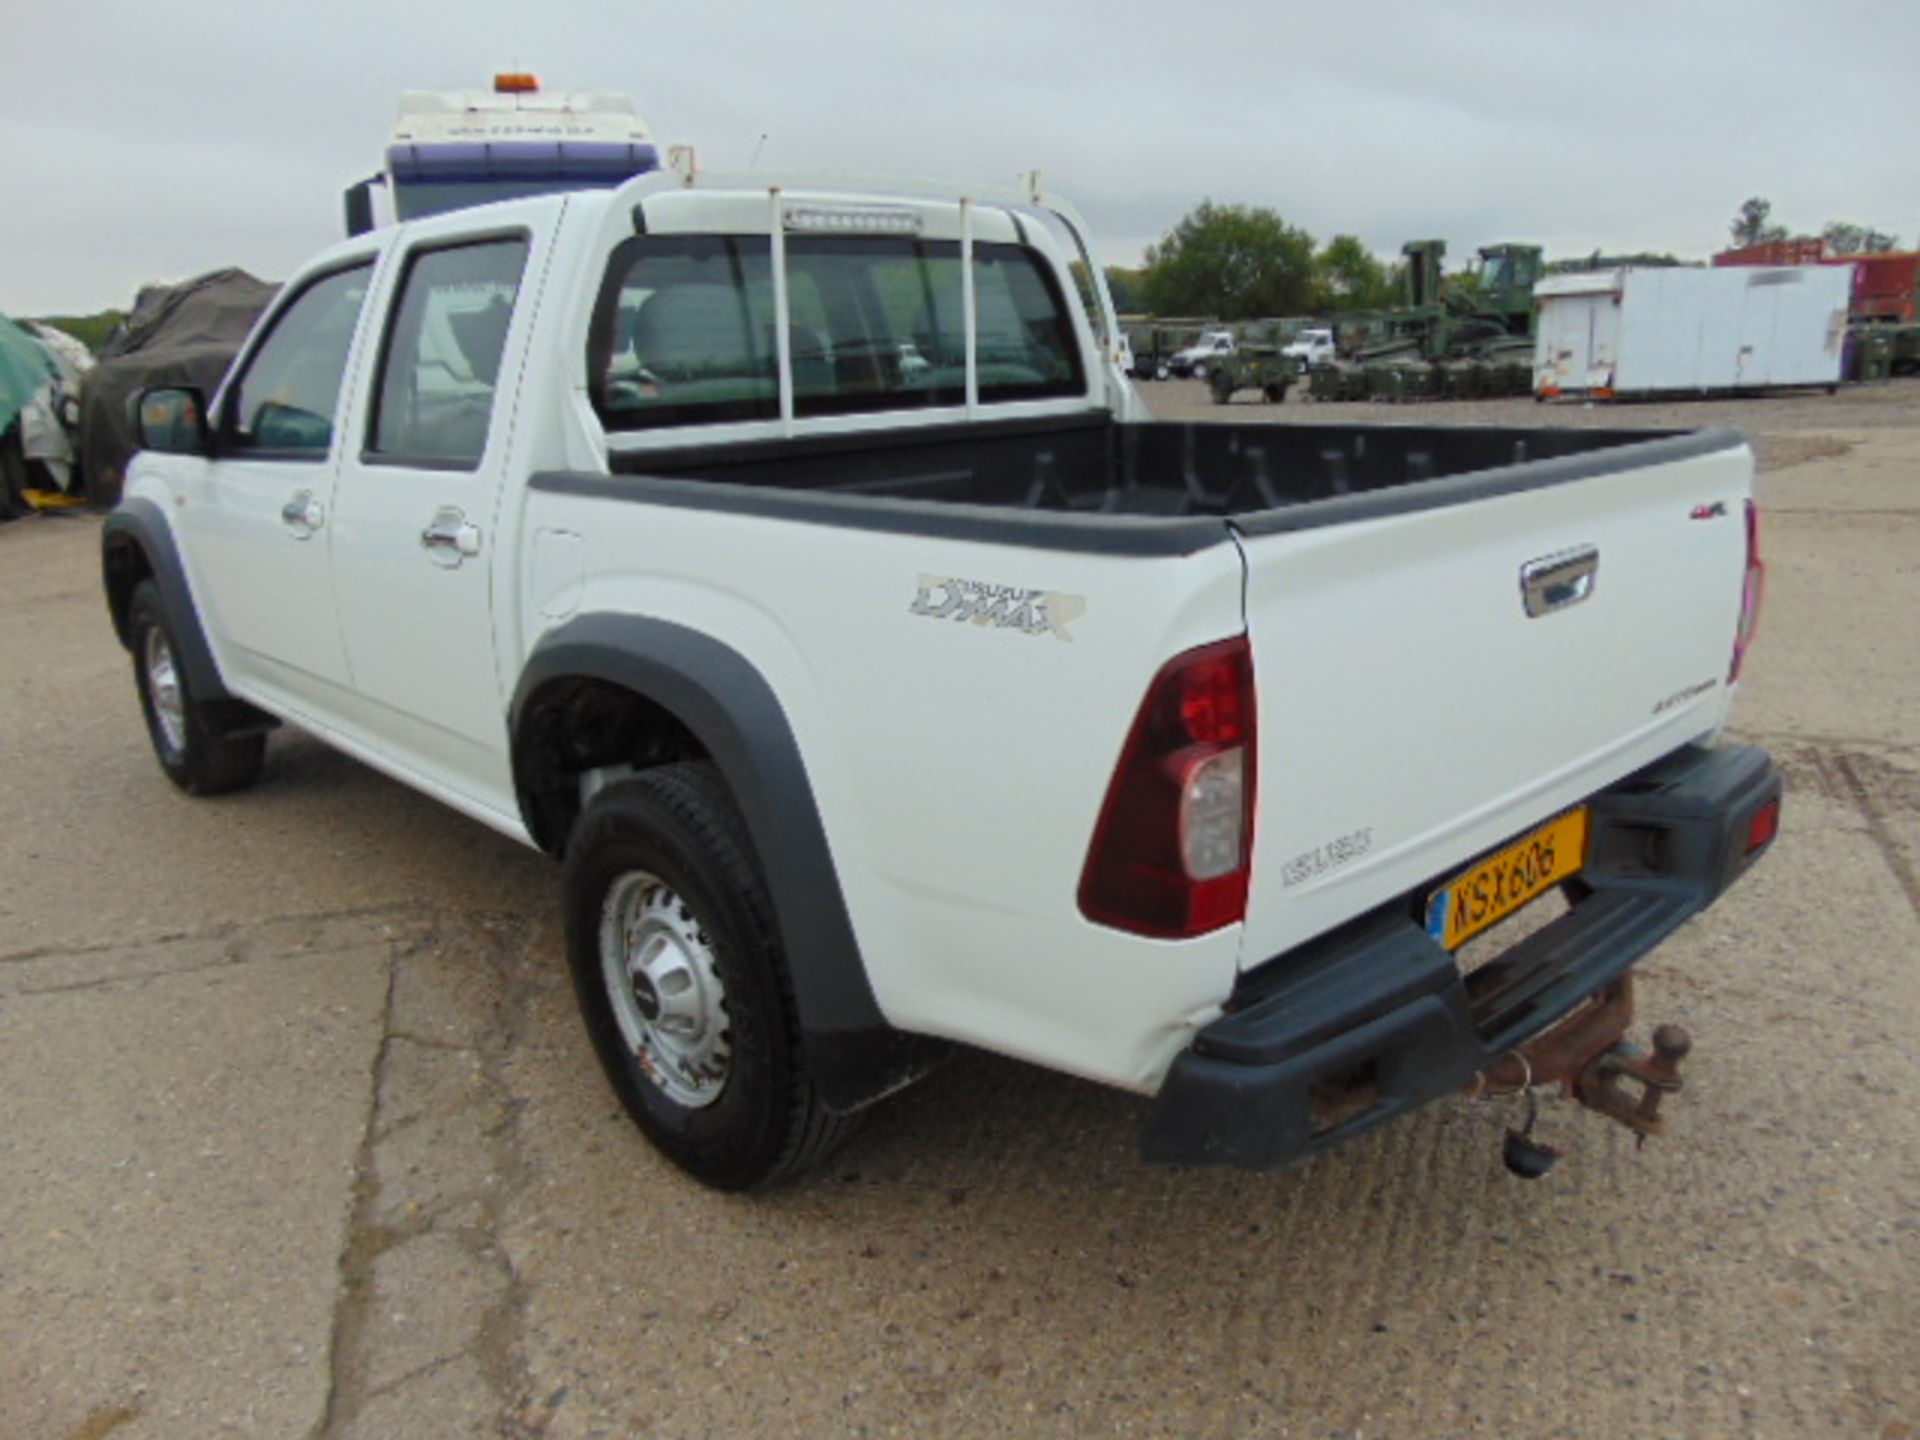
1502	883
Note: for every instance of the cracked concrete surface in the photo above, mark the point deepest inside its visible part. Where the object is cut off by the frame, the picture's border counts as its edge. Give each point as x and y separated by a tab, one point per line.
428	1323
303	1137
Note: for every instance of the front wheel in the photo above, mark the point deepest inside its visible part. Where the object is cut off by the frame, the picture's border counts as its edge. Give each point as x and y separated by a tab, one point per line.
1222	387
682	982
188	740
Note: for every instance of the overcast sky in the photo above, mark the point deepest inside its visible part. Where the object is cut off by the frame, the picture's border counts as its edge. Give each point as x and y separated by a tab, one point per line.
155	139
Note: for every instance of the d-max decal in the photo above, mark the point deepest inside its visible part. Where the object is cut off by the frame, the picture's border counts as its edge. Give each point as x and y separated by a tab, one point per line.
1006	607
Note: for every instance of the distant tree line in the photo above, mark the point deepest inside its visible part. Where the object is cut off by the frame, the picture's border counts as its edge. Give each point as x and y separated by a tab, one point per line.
1753	225
1243	262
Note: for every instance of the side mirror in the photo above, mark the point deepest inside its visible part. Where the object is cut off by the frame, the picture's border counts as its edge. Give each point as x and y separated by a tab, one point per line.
173	420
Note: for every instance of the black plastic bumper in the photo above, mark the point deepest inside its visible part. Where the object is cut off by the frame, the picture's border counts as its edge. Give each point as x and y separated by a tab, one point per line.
1378	1009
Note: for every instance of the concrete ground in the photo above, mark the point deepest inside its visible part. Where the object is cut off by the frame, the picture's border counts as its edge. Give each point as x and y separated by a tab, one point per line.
302	1137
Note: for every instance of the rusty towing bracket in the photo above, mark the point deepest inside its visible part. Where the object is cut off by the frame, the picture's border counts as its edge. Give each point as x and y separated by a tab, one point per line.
1588	1056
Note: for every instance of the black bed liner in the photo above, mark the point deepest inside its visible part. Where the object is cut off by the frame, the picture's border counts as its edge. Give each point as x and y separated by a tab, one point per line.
1090	484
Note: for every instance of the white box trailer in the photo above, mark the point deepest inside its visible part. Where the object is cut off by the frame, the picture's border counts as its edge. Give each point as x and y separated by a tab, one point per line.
1678	330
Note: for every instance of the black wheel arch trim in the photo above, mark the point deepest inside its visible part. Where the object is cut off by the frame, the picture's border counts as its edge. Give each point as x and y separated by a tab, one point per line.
854	1055
139	523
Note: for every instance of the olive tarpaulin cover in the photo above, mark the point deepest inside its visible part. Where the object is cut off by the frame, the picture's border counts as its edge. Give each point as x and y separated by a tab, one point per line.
185	334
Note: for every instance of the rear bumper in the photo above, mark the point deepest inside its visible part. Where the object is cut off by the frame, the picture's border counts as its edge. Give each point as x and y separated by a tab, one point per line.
1377	1008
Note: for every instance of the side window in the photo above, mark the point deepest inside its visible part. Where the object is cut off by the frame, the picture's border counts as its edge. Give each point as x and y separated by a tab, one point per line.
685	332
1026	348
284	404
441	363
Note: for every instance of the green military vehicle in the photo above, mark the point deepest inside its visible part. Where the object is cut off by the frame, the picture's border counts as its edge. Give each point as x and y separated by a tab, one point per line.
1257	362
1457	341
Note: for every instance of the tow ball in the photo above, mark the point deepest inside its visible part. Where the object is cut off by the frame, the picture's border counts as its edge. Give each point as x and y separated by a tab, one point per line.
1588	1056
1602	1086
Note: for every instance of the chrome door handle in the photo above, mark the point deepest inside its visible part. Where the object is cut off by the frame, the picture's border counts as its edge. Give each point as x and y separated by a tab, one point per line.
303	514
1554	582
449	538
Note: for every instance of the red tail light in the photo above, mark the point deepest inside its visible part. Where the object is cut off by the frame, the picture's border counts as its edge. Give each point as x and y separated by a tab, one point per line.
1762	826
1751	587
1173	847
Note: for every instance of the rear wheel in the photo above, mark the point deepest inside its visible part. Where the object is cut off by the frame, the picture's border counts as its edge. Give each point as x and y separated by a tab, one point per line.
681	979
1222	387
1199	371
188	739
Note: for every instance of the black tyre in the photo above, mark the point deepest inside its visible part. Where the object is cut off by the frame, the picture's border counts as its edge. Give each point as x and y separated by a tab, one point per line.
188	739
682	983
14	504
1199	371
1221	387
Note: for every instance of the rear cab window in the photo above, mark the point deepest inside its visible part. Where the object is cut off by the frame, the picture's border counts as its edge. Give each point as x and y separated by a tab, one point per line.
686	330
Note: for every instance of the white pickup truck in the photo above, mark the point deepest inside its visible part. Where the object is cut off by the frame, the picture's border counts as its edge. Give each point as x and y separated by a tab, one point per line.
876	707
1312	347
1192	362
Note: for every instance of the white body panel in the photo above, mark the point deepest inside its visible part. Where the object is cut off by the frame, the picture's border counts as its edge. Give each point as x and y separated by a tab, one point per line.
959	768
1675	329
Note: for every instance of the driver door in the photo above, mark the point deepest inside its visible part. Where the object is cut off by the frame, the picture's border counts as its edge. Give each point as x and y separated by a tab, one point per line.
258	512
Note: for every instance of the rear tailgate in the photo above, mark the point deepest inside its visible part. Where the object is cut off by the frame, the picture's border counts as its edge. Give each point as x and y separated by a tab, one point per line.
1414	715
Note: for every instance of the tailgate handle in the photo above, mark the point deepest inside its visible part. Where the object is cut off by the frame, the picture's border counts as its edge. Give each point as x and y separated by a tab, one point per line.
1554	582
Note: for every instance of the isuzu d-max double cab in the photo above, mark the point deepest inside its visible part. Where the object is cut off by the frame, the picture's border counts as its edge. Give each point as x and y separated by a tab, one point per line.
877	707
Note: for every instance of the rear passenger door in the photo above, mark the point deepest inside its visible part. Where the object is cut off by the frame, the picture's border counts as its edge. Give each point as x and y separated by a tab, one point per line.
417	514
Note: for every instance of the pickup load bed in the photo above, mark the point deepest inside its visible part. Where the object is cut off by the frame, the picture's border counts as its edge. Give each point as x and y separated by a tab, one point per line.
1247	472
796	563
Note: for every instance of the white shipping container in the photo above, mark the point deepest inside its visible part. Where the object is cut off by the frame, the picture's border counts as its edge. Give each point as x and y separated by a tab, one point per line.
1676	330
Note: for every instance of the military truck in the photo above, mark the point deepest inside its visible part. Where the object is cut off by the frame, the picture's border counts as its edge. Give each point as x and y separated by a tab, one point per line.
1447	341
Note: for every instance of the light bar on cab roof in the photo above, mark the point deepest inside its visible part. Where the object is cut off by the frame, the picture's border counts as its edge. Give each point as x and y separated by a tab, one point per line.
851	220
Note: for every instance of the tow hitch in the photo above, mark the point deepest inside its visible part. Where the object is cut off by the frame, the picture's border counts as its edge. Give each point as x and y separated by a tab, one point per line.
1588	1056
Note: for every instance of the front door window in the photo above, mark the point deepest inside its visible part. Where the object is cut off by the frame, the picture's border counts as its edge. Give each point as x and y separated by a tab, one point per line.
285	405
